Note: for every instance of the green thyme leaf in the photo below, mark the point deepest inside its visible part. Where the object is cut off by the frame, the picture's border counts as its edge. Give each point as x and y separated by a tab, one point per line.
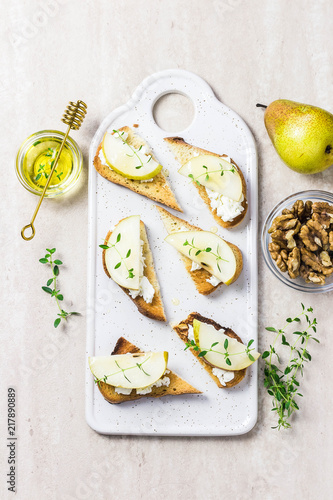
202	353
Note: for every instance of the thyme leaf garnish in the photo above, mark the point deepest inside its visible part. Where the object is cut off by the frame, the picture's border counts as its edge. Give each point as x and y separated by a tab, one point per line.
122	259
203	352
208	172
123	370
134	152
198	251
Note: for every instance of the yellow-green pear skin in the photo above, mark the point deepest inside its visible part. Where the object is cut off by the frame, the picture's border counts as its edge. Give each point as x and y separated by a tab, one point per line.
301	134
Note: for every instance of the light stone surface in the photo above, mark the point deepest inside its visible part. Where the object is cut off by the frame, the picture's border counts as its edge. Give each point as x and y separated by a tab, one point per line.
56	50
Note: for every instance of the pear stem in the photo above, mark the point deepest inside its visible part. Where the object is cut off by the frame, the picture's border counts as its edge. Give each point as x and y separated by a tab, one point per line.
261	105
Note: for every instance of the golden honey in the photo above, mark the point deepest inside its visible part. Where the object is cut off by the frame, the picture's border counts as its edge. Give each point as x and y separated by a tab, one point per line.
35	160
39	160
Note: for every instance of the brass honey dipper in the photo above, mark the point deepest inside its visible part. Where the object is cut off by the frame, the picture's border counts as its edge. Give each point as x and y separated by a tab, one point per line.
73	117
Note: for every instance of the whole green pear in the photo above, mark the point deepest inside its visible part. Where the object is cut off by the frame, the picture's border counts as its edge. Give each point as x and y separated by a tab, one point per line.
301	134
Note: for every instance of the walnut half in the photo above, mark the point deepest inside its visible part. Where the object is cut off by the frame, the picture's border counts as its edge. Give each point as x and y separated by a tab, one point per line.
294	262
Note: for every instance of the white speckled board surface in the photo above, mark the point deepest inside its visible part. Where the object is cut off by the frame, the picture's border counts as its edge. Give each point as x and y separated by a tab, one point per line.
111	314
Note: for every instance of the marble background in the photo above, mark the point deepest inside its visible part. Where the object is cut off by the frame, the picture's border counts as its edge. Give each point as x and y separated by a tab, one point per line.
56	50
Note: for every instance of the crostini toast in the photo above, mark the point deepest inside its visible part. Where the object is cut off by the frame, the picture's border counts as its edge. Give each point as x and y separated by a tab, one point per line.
199	276
157	189
176	387
185	152
182	330
155	309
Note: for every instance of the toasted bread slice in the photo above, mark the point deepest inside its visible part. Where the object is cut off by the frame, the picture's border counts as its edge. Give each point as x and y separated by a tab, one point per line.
173	224
177	385
155	309
183	153
158	189
182	330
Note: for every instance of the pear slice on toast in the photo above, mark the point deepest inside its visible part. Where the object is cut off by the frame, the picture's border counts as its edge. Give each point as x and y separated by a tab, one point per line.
184	152
154	309
176	387
200	276
157	189
182	330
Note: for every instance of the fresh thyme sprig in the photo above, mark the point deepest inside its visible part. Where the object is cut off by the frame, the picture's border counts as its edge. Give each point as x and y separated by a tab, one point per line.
51	154
208	250
201	353
48	259
133	149
122	259
208	172
281	379
123	370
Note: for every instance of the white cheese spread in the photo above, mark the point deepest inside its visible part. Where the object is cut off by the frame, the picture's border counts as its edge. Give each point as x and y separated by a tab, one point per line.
102	158
190	334
195	266
225	207
213	280
224	376
146	289
122	390
165	381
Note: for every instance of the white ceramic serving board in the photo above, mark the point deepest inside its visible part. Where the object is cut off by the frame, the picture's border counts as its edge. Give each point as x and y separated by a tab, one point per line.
111	314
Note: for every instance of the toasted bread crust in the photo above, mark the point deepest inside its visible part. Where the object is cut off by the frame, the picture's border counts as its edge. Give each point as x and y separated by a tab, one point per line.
200	276
182	331
188	151
155	309
177	385
157	190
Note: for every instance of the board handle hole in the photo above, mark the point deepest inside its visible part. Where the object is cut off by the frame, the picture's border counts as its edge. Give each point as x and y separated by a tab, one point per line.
173	112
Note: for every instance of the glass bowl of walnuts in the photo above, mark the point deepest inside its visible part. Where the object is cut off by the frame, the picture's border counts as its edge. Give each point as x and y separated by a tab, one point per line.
297	241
